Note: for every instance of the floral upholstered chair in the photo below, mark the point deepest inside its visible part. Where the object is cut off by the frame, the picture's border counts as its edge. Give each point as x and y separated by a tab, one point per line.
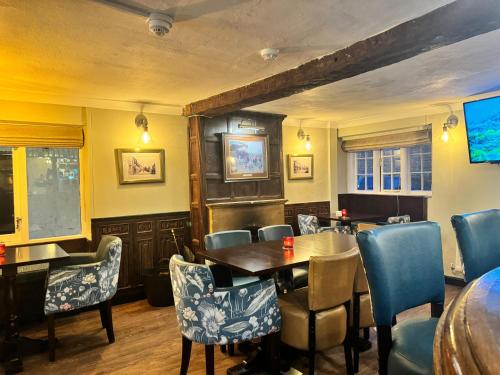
218	316
309	224
86	279
403	219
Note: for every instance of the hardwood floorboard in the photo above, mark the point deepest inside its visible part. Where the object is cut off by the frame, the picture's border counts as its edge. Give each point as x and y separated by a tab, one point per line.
148	342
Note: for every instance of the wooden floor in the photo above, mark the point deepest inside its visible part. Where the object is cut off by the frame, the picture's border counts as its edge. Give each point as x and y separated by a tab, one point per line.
148	342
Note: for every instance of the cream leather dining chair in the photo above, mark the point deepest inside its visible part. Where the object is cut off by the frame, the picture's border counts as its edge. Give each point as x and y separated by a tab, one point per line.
317	317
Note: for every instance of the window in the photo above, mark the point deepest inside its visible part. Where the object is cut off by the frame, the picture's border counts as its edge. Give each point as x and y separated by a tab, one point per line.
391	170
364	170
420	161
39	193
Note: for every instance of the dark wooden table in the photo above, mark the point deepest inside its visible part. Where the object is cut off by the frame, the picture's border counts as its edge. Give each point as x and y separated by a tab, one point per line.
14	258
264	259
467	339
354	217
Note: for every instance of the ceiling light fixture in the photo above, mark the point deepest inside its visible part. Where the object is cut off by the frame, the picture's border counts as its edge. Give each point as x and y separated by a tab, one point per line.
300	133
308	142
142	123
269	54
451	123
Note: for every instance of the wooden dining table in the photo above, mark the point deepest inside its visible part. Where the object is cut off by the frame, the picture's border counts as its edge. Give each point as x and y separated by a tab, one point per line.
264	259
467	339
15	257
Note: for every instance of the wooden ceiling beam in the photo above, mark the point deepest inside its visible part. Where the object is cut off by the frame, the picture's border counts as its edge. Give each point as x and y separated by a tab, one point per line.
452	23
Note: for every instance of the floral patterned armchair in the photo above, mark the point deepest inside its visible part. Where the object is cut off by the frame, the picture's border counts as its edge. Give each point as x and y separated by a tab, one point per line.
86	279
403	219
217	316
309	224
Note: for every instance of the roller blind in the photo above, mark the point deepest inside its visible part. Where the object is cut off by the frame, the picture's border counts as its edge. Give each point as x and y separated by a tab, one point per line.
41	135
375	142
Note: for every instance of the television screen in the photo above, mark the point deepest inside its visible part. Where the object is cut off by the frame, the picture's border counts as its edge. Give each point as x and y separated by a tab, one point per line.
482	120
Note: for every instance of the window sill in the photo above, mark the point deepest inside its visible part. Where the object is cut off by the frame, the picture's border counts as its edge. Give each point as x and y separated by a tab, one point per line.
396	193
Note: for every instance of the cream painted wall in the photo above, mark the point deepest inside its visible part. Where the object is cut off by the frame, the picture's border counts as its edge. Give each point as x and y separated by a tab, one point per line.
317	189
457	186
111	129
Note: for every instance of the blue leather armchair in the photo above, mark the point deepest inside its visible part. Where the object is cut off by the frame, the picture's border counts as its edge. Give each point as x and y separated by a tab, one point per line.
86	279
210	315
404	268
277	232
230	238
478	237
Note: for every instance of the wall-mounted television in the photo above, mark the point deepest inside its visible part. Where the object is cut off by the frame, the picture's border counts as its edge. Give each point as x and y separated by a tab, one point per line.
482	121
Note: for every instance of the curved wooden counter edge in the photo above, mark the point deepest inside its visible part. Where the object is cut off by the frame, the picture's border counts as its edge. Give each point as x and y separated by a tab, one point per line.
464	342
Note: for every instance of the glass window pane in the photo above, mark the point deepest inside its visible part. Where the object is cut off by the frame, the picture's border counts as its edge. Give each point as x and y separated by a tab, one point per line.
361	182
397	165
396	152
369	166
53	192
7	220
415	163
427	182
386	164
369	182
427	147
361	166
387	152
396	182
414	150
427	163
360	155
369	154
387	181
416	181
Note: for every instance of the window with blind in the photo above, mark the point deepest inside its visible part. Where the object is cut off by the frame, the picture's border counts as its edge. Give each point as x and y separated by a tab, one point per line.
404	170
40	189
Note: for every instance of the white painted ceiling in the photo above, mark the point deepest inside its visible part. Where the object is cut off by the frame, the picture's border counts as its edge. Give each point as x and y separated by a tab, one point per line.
85	53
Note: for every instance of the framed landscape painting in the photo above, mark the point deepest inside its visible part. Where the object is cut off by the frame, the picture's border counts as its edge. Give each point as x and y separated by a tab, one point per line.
300	167
140	166
245	157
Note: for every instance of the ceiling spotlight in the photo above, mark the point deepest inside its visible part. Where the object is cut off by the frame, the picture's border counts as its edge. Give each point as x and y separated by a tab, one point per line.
269	54
159	23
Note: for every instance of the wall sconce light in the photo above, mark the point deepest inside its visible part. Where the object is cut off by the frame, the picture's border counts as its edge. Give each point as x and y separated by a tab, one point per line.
142	123
301	135
451	123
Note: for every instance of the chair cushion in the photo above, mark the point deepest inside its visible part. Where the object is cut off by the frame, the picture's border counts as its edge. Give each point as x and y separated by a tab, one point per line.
330	324
241	280
300	275
411	351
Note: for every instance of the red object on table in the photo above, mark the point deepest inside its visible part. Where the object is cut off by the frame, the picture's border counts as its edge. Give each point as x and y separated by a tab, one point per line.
2	249
288	243
344	212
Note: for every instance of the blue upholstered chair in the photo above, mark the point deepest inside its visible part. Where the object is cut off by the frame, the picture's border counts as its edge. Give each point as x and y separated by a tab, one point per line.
231	238
84	280
210	315
404	268
309	224
478	237
277	232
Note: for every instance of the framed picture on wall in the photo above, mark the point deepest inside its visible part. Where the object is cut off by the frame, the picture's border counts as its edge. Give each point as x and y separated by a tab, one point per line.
245	157
140	166
300	167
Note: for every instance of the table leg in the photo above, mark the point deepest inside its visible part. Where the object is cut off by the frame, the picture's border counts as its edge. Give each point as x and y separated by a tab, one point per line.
11	348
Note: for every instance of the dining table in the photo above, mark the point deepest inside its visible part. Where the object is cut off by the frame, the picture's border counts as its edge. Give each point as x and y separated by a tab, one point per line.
15	257
467	339
266	258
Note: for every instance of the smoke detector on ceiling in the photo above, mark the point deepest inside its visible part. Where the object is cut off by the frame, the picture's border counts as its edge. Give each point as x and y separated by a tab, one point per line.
159	23
269	54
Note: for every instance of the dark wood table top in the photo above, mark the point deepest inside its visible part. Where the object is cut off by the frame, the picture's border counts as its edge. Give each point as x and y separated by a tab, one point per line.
32	254
371	218
264	258
467	339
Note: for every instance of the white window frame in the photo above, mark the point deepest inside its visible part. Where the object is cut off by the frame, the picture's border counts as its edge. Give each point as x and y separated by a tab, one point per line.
377	176
21	235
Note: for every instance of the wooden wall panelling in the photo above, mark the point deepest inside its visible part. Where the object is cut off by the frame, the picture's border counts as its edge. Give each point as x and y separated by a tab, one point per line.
145	240
311	208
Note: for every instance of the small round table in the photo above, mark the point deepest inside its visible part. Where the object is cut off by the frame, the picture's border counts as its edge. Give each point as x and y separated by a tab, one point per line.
467	339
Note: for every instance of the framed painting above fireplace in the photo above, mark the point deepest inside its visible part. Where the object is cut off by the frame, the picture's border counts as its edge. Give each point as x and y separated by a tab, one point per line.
245	157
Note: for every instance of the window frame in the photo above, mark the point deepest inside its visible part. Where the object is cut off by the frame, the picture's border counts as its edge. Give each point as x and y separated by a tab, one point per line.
21	209
377	175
